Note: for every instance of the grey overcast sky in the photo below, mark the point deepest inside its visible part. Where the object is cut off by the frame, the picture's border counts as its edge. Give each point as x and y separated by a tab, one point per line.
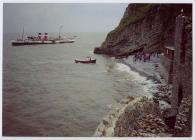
79	17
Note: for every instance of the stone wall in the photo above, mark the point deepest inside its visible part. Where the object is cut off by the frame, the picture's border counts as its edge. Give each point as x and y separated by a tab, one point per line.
183	125
182	79
166	72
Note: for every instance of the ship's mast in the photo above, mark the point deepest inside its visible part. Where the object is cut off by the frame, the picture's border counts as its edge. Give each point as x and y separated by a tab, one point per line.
23	33
60	31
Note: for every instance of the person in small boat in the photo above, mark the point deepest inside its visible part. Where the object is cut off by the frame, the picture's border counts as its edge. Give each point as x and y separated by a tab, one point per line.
89	58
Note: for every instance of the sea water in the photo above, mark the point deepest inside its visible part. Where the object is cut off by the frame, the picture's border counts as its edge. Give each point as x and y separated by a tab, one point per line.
46	94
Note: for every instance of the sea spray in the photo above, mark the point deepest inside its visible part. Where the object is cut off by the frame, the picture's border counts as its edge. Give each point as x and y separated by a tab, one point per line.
148	85
108	125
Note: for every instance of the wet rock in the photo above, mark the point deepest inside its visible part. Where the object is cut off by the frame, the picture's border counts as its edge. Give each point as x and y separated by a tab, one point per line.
130	98
97	50
183	125
109	131
105	121
139	118
125	101
151	124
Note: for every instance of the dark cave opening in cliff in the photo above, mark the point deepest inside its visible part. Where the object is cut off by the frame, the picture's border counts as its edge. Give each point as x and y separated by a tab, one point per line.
180	94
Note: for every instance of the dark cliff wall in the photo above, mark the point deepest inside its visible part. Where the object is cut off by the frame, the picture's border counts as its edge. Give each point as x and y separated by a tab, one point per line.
182	66
143	26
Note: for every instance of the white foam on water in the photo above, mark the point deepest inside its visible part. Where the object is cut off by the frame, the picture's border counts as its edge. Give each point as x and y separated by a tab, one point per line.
135	75
107	128
148	85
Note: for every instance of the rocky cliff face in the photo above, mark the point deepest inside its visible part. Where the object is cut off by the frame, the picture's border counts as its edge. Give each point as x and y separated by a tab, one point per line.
145	27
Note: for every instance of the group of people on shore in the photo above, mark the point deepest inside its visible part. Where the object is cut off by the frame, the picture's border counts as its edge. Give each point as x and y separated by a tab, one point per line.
143	57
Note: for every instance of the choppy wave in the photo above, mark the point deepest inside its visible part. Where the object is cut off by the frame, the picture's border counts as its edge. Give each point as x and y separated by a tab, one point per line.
108	123
148	85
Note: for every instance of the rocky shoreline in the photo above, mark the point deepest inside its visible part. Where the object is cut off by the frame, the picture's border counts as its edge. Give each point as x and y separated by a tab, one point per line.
144	32
138	117
144	116
125	119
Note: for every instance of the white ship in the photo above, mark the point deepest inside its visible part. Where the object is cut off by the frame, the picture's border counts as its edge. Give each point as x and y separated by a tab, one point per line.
41	39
